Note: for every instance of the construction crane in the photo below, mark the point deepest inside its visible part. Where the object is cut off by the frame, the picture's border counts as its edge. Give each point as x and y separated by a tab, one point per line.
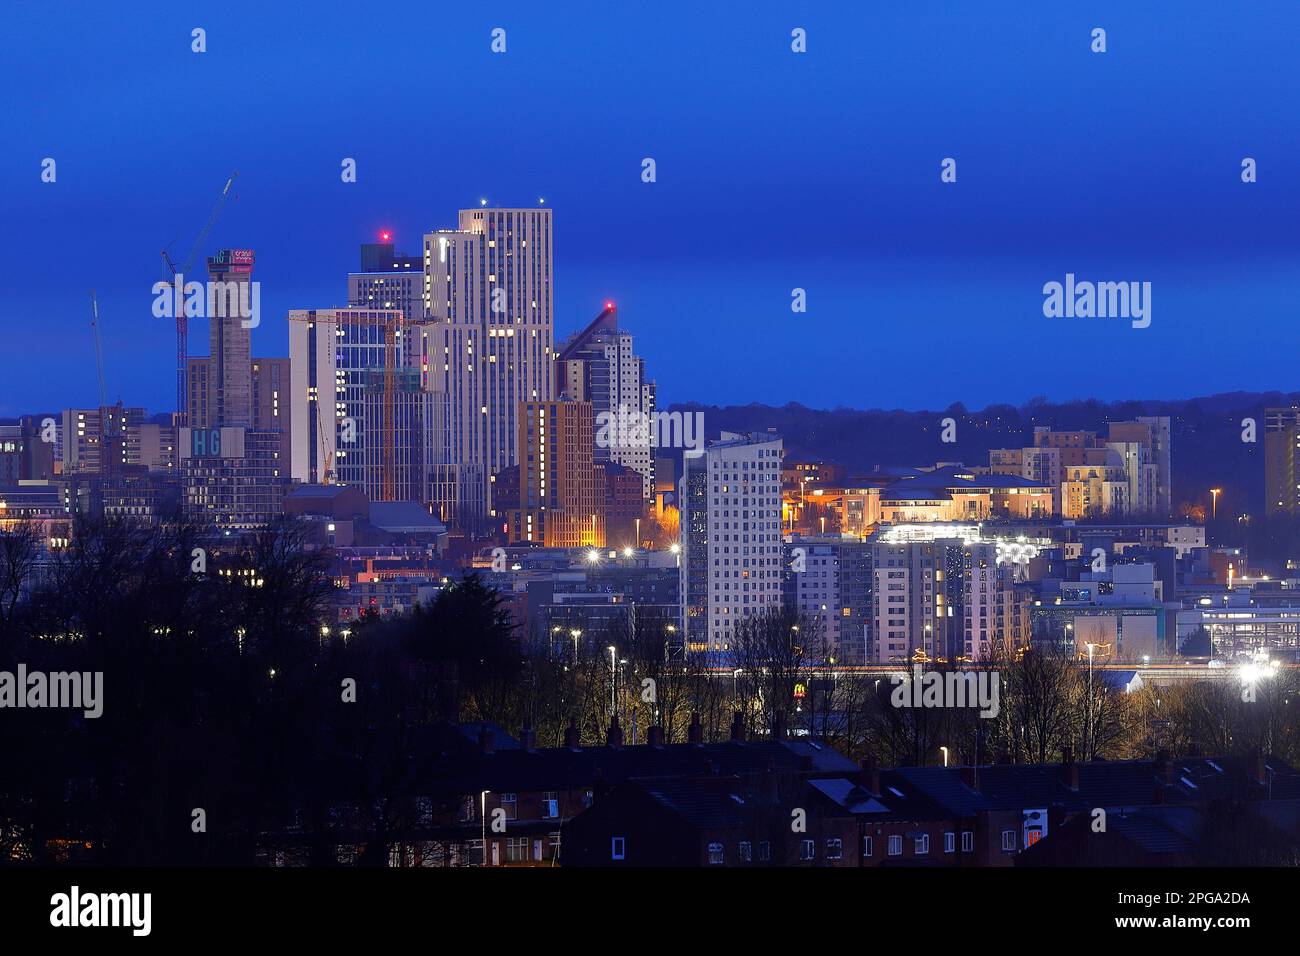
170	271
327	449
107	416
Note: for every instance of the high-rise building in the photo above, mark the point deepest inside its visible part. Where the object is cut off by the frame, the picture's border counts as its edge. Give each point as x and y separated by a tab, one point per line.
230	352
233	452
934	599
360	414
1281	445
561	488
488	292
388	280
730	494
829	580
598	365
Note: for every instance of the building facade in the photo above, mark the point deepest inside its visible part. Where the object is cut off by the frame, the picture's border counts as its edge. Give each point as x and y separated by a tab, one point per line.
488	291
730	495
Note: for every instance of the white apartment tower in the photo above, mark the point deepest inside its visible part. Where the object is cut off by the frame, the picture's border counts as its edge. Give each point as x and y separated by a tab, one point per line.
731	540
488	294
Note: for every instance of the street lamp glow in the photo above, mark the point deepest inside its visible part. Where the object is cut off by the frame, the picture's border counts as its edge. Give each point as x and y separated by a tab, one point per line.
675	548
627	552
593	555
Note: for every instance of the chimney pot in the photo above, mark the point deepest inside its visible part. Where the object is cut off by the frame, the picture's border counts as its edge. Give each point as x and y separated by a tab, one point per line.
654	735
571	735
738	727
695	733
615	736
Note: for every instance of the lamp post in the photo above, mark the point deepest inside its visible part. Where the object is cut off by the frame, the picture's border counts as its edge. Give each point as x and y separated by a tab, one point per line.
945	755
1214	502
482	814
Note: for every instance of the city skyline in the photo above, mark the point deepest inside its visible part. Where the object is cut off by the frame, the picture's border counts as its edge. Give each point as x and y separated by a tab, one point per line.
862	222
775	436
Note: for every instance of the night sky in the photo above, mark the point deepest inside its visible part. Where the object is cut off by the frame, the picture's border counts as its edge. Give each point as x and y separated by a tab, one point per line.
775	170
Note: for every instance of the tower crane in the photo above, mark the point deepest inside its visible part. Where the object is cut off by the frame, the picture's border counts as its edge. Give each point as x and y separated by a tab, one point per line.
170	271
107	416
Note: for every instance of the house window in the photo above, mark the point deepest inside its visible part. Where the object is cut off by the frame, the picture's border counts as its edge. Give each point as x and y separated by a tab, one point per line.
746	851
807	850
517	849
867	846
617	847
715	853
1009	840
967	841
949	842
923	844
764	851
466	808
510	804
834	849
895	845
550	805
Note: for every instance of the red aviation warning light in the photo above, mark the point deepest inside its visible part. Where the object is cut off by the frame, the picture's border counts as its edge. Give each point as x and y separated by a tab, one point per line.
385	235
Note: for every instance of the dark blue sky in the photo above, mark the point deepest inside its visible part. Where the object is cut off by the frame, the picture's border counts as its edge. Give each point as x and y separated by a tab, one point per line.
775	170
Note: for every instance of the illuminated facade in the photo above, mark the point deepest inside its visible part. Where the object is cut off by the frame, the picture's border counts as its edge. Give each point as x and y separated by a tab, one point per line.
730	497
361	416
488	290
561	488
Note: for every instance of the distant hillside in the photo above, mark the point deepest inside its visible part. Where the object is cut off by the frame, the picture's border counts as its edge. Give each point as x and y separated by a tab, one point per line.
1207	449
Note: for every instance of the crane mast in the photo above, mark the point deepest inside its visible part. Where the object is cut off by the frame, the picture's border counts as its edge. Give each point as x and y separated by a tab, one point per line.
170	271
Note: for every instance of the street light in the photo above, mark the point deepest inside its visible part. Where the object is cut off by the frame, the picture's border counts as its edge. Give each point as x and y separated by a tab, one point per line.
945	755
482	814
1214	502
